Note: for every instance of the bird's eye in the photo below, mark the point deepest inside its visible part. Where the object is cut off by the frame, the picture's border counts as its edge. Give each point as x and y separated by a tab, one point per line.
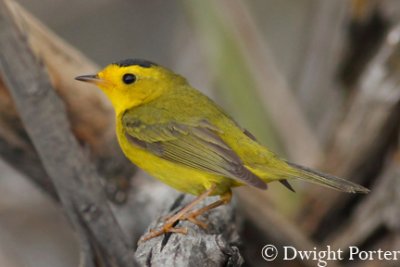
128	78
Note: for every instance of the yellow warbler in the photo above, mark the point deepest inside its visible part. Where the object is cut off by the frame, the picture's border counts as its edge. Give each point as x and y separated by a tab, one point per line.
180	136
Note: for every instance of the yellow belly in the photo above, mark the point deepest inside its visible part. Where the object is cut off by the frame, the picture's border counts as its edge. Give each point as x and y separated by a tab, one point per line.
181	178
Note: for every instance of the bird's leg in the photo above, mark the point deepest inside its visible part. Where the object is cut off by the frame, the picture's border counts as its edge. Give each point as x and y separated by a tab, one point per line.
192	216
170	222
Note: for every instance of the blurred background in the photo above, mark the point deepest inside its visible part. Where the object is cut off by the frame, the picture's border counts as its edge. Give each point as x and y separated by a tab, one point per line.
314	80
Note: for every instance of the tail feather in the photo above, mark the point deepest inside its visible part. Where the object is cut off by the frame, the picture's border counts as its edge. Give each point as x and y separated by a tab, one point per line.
286	184
309	175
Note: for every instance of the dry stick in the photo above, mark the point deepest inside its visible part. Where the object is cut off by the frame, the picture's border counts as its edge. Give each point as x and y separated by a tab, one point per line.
43	115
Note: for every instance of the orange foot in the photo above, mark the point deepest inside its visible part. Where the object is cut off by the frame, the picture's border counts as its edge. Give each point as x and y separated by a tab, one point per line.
187	214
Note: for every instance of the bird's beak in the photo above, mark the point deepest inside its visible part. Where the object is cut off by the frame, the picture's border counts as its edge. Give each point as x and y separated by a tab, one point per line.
95	79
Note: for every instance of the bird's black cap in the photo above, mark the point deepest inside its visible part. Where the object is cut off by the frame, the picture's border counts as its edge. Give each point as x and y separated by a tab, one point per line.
139	62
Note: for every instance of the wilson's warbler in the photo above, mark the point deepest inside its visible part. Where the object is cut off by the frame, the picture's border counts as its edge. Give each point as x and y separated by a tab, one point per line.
180	136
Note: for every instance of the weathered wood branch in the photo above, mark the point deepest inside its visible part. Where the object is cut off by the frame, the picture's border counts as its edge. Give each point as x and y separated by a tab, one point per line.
43	115
216	246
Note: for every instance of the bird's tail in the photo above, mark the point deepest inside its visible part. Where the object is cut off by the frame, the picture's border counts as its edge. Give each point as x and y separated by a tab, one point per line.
309	175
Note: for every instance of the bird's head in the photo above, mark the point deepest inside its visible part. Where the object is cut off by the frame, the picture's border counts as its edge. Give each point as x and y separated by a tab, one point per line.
132	82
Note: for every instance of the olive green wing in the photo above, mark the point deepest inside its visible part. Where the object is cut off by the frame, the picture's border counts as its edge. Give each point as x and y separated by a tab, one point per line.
197	146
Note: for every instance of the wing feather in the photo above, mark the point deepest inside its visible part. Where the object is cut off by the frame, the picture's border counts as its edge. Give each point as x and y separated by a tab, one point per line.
196	146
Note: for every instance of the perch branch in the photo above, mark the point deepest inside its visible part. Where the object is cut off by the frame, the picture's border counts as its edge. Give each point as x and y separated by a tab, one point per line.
215	246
